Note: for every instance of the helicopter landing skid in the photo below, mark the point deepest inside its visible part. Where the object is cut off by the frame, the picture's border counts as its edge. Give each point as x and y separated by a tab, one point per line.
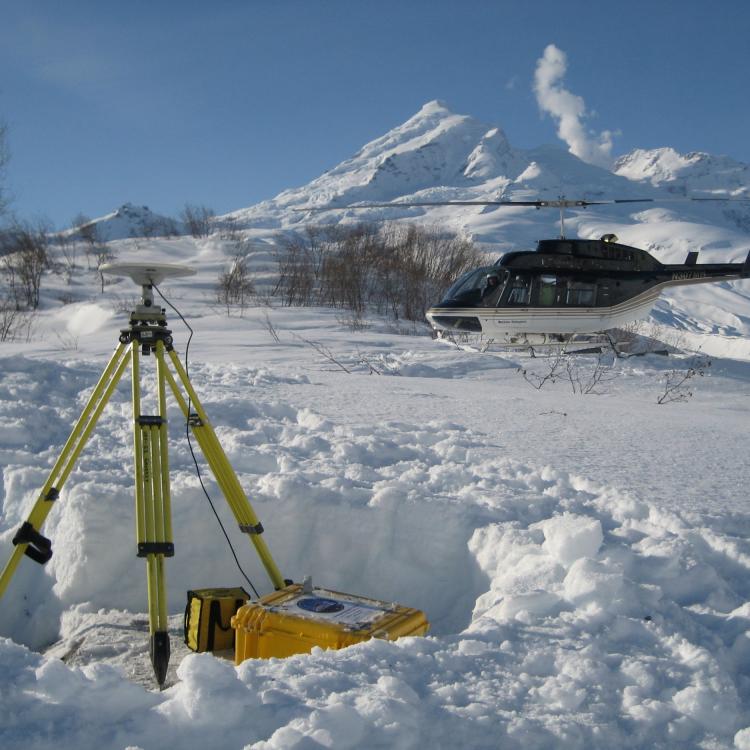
589	343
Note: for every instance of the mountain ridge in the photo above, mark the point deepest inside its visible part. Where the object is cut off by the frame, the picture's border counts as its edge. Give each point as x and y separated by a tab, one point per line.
438	155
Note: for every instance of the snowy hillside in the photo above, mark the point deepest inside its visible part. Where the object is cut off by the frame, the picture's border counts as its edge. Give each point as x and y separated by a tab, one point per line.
583	558
694	173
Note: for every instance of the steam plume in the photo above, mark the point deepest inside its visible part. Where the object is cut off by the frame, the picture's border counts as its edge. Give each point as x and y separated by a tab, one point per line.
569	110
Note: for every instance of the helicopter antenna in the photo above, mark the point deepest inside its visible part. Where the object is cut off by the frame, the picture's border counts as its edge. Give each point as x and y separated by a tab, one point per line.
562	218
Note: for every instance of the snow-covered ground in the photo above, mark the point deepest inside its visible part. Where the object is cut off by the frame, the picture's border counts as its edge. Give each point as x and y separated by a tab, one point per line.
583	559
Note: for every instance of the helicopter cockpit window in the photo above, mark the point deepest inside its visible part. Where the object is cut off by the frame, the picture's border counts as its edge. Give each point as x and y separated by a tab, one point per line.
470	281
520	290
581	294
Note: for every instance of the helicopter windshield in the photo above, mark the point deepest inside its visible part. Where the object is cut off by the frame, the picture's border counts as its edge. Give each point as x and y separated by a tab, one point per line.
470	281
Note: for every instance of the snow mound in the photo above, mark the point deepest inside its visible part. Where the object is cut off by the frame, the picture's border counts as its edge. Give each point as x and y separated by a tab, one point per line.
84	318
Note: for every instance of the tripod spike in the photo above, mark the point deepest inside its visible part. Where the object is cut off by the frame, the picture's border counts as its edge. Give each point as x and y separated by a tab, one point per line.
159	649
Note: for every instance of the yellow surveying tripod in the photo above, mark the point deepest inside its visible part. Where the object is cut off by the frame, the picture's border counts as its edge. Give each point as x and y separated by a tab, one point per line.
146	334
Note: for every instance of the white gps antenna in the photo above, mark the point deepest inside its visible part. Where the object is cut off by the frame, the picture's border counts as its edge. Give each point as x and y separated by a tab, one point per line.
146	275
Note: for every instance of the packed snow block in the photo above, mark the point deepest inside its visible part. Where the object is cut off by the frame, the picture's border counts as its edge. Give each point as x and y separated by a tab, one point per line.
297	618
569	537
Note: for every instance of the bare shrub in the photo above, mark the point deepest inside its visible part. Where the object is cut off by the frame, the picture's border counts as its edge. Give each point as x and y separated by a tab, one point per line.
9	319
68	248
584	377
271	328
25	257
397	271
678	382
102	253
547	369
229	229
235	287
15	324
419	265
300	259
348	270
87	231
158	226
354	322
197	219
67	341
590	378
324	352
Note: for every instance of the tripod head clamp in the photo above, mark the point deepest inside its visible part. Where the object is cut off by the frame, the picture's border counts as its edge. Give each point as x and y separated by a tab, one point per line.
146	275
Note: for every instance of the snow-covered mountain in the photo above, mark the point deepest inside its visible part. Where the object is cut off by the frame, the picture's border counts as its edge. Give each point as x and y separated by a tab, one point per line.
439	155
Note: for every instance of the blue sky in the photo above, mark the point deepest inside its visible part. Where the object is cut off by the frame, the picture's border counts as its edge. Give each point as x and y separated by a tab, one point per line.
229	102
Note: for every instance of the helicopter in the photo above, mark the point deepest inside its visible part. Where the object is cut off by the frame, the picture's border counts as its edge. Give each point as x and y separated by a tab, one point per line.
566	289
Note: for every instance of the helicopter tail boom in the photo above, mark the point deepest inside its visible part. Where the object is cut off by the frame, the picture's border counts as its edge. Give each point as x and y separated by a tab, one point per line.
692	272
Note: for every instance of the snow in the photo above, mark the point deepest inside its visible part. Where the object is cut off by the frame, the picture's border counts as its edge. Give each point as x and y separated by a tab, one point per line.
583	559
580	593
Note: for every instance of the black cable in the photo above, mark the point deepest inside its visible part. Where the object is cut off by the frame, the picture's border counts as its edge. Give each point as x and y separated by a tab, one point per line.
192	452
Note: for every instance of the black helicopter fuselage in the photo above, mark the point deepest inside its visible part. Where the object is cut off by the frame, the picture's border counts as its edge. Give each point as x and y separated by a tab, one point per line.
567	287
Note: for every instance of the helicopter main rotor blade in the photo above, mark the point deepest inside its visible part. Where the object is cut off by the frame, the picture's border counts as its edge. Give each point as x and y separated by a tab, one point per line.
417	204
560	203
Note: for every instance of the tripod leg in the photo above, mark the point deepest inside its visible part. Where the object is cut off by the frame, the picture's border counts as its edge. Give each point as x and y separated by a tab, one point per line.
222	469
29	540
153	522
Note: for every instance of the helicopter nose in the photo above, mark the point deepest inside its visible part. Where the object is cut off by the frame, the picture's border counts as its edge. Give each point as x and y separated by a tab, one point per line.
441	319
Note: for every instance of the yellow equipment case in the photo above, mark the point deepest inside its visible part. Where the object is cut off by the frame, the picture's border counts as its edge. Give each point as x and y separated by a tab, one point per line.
208	617
298	617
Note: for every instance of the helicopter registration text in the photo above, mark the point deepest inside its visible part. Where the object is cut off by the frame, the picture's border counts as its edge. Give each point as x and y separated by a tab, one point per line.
680	275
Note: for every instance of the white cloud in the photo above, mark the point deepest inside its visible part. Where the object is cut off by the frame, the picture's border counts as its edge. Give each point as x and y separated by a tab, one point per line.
569	110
